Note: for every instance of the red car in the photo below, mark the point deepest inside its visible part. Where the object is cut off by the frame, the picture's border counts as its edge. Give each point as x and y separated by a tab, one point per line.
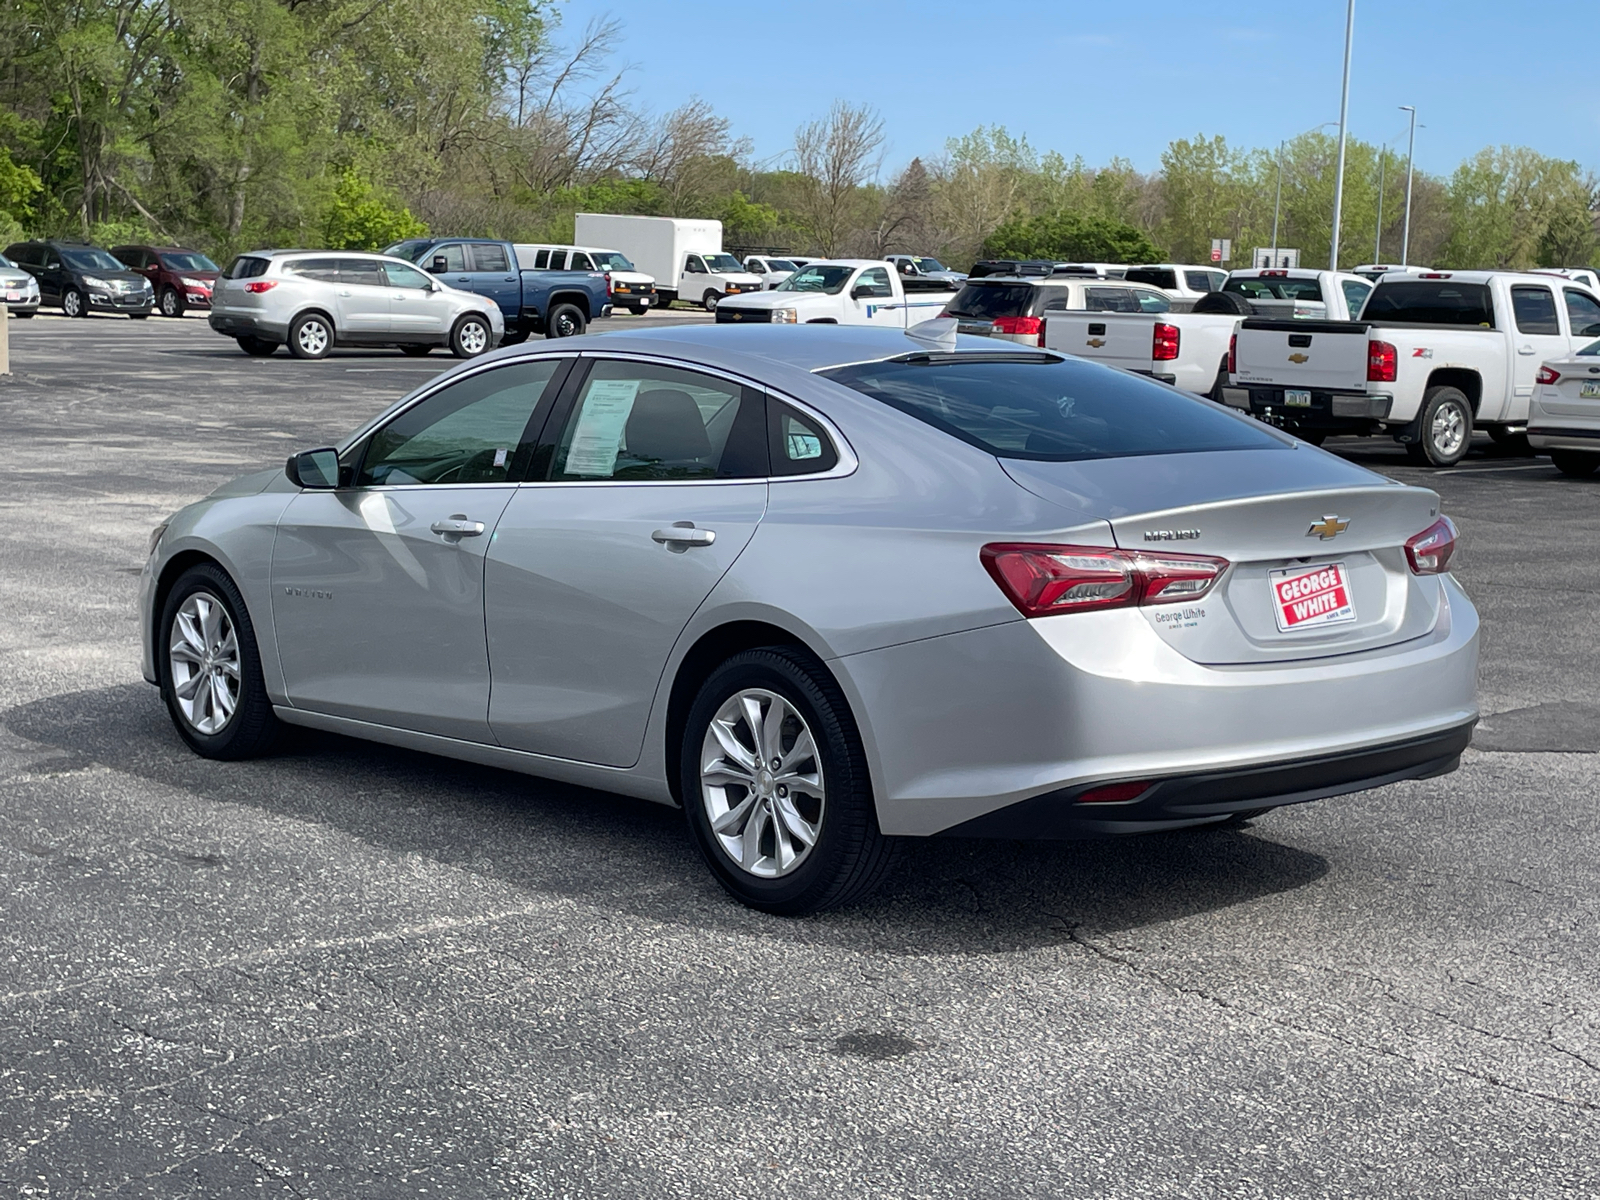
182	279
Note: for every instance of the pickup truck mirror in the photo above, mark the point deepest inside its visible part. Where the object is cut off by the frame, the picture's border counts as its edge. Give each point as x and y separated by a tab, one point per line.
316	469
869	291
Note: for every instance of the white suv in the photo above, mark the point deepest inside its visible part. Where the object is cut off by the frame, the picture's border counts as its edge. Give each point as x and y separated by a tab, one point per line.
314	300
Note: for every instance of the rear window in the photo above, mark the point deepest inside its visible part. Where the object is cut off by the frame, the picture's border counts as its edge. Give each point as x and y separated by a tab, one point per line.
986	301
1275	288
1154	276
1200	281
247	267
1429	302
1062	410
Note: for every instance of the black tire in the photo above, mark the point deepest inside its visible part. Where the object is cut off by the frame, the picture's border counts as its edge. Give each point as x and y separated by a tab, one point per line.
1314	437
850	855
138	316
171	304
514	337
1515	443
257	347
1228	303
471	336
638	310
710	301
1221	381
310	336
565	320
25	316
1444	431
252	727
415	351
73	303
665	299
1575	463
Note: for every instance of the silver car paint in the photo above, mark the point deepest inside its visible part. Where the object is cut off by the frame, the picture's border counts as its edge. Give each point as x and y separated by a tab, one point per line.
962	704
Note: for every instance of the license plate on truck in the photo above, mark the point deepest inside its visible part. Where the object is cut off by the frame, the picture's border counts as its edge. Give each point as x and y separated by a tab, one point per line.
1309	597
1297	398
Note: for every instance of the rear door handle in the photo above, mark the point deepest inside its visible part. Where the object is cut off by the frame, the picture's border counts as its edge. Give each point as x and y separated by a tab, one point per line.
344	293
682	535
458	526
1524	349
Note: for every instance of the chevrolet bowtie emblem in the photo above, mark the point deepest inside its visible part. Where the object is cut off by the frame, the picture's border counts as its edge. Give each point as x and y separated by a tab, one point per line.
1328	527
1299	358
1096	342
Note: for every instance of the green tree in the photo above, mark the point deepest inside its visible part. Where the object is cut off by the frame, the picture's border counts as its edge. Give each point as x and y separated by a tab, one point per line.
1070	235
361	219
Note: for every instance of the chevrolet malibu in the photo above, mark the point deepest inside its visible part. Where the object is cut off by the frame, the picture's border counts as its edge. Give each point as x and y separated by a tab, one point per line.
825	588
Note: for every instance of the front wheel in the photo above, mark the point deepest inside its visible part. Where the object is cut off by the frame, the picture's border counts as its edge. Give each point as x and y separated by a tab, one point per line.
710	301
1575	463
25	316
73	303
470	337
1445	430
171	303
775	787
210	667
565	320
310	336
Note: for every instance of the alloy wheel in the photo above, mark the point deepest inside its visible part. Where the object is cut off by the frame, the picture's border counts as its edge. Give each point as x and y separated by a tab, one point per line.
72	304
1447	430
169	303
474	338
203	652
761	783
313	338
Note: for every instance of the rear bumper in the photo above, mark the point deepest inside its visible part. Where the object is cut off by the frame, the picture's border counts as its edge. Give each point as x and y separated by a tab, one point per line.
1359	412
235	325
1573	434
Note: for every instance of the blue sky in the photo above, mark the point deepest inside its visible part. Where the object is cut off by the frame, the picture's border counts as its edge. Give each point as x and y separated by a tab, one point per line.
1121	78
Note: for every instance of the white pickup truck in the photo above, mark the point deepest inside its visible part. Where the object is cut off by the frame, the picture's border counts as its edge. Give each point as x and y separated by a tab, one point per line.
842	291
1433	355
1190	349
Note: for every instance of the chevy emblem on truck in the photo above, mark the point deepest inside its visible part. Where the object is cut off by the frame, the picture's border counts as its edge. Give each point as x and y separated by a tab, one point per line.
1329	527
1297	357
1096	342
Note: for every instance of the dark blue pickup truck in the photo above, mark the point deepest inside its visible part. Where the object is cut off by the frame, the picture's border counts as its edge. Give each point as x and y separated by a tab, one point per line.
554	303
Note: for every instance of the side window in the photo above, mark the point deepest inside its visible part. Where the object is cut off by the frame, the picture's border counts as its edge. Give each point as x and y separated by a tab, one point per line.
323	270
133	258
1355	295
367	272
1584	313
489	258
541	260
639	421
475	431
1535	310
876	282
755	266
579	261
798	444
694	266
1199	281
446	258
406	277
1152	301
1109	299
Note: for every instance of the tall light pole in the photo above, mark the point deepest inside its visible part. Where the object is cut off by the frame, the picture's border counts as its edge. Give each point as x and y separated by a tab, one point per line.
1344	113
1411	149
1377	239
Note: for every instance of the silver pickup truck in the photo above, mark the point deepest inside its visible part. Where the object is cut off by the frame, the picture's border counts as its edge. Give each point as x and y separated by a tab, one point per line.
1433	356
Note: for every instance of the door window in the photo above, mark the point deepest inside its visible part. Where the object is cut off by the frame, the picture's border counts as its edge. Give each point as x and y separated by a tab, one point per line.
1152	301
580	261
323	270
1584	313
367	272
406	277
1109	299
475	431
489	258
694	266
447	258
798	444
541	260
1355	295
639	421
1535	310
876	283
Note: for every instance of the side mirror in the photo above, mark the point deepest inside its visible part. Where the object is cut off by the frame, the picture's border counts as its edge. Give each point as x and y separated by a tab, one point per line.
440	263
316	469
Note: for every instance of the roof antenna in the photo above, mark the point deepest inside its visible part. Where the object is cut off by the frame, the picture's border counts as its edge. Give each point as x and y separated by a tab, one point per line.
937	334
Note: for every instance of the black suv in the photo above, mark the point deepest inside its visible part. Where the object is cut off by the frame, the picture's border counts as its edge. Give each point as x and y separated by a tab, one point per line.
83	279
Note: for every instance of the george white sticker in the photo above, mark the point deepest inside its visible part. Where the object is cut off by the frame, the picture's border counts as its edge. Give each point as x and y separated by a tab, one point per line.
607	404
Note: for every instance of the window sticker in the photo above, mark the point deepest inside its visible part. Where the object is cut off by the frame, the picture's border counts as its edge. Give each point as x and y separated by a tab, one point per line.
500	458
607	405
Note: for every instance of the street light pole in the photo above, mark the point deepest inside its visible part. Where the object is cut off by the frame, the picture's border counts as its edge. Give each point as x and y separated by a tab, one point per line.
1411	150
1344	113
1377	241
1277	203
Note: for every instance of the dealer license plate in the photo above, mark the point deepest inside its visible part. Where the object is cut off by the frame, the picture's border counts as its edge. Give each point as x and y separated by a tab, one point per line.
1297	398
1309	597
1589	390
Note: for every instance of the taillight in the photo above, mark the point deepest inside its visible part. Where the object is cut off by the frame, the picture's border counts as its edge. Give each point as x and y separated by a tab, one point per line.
1164	342
1028	326
1429	552
260	285
1233	355
1043	580
1547	375
1383	360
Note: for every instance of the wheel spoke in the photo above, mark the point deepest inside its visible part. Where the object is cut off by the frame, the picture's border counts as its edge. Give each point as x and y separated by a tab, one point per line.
723	731
190	632
810	784
221	697
782	847
729	822
187	689
721	772
183	652
790	819
803	750
750	840
751	705
772	731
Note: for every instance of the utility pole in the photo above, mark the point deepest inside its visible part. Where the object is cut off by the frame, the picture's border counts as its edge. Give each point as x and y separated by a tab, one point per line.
1411	150
1277	203
1344	114
1377	241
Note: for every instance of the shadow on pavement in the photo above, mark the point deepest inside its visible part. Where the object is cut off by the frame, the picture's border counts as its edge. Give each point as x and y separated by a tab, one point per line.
946	896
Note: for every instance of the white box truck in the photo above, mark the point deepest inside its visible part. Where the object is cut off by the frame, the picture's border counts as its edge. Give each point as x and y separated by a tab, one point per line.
685	257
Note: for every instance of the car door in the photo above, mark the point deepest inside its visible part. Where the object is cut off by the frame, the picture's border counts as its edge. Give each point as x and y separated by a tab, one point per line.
872	298
1537	338
651	482
449	263
377	588
1583	318
52	275
415	307
495	277
362	300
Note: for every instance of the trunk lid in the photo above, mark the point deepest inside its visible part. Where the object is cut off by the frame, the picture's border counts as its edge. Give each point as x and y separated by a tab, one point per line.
1313	355
1566	398
1123	340
1274	515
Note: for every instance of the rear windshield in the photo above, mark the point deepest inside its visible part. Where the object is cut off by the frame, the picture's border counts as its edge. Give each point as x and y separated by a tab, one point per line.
986	301
1056	411
1275	288
1430	302
187	260
1154	276
246	267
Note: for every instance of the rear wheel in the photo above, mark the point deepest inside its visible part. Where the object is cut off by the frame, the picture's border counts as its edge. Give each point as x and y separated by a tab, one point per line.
310	336
1575	463
775	787
23	316
171	303
415	351
1445	430
257	347
565	320
470	337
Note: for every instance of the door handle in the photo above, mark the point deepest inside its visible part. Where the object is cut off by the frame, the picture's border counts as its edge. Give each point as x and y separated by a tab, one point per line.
457	526
682	535
344	293
1524	349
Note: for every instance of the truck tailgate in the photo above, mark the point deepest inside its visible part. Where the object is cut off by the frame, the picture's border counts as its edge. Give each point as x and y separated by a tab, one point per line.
1123	340
1325	355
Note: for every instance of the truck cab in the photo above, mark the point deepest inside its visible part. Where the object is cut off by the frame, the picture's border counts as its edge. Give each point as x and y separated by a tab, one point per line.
707	278
556	303
844	291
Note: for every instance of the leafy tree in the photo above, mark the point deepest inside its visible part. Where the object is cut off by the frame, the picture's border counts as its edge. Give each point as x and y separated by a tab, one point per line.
361	219
1070	235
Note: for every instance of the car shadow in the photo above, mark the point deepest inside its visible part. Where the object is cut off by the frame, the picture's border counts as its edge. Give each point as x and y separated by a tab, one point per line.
961	896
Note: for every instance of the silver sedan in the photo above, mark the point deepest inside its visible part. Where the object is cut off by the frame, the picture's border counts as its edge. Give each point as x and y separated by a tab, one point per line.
826	588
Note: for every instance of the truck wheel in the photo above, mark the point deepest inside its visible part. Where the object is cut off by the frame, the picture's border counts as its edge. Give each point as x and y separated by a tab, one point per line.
710	300
1445	428
665	299
470	337
1575	463
565	320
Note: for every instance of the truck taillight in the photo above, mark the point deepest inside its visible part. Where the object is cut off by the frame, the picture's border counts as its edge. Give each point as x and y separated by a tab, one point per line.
1044	580
1233	355
1027	326
1429	552
1164	342
257	286
1547	375
1383	360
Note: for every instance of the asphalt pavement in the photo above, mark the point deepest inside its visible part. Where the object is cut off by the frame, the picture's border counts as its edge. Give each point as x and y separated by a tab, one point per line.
348	970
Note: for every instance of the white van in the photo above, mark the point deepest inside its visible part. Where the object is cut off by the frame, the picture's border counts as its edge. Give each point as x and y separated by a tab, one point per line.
631	288
686	257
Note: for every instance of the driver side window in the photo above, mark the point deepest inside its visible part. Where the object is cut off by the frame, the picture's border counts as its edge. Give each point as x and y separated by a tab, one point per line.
875	283
694	266
475	431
